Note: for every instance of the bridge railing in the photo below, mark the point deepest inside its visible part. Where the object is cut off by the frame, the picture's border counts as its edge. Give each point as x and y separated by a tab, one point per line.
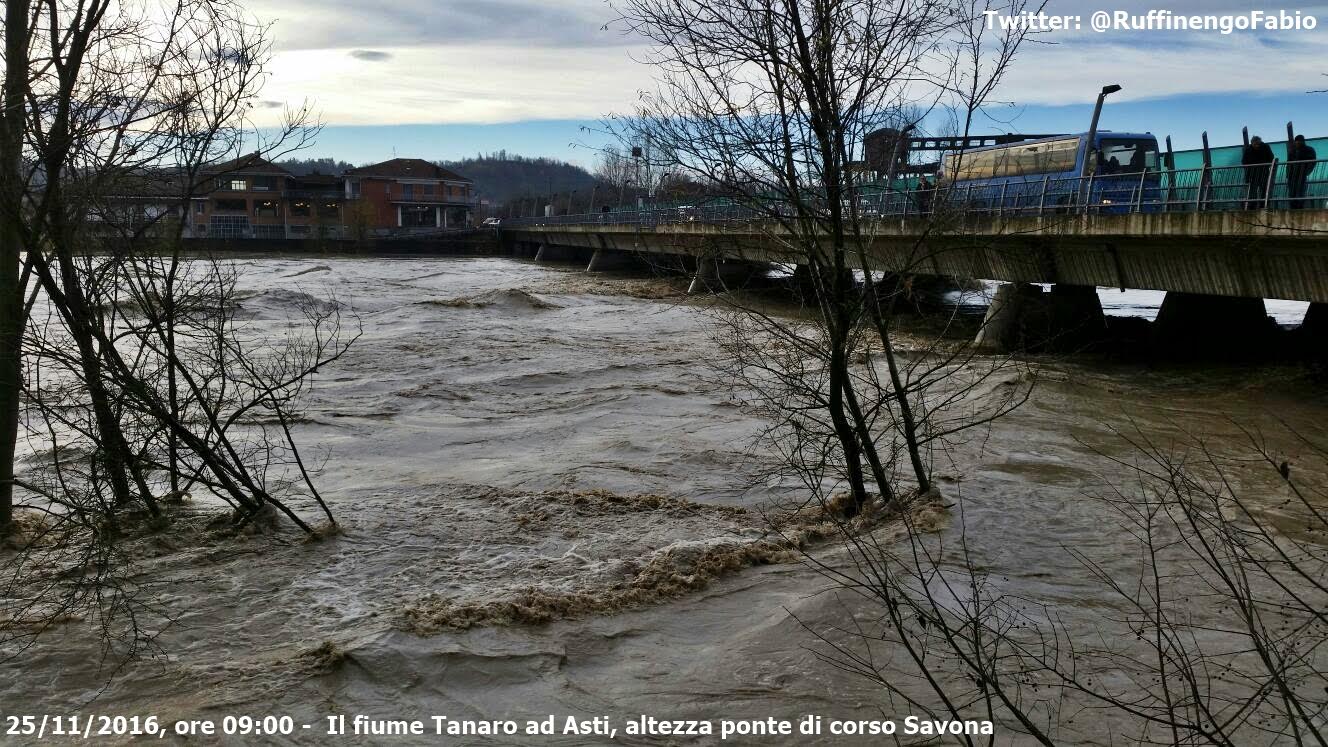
1294	185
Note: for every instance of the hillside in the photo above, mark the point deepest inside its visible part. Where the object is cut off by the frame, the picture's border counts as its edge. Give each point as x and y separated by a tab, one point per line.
500	177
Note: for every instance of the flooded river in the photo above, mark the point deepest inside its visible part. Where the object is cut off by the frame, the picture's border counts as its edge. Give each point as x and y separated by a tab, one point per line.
520	445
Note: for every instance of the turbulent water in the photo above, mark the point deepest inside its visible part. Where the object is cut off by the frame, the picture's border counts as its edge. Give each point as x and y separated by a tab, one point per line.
541	455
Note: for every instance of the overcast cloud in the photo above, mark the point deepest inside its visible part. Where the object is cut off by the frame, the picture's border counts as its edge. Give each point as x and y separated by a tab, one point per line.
449	61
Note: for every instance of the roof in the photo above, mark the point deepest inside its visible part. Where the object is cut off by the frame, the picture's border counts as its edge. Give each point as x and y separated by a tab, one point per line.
407	168
250	164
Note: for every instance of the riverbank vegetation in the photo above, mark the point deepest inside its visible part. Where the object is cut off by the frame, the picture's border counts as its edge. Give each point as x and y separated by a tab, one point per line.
1216	637
127	371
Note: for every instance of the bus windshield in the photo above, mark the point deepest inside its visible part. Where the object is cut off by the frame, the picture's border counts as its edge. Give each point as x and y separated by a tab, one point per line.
1119	156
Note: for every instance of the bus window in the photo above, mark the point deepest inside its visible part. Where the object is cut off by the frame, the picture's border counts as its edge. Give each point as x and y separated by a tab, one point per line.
1055	157
1032	159
1126	156
982	164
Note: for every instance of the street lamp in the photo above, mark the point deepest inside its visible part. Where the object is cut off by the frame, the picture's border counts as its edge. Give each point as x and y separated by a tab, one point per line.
1090	148
1097	111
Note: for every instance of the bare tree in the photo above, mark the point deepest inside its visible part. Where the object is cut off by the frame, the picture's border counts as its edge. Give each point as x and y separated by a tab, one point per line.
138	380
768	102
614	169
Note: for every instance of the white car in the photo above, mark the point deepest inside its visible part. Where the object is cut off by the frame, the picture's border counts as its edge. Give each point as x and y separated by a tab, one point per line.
491	222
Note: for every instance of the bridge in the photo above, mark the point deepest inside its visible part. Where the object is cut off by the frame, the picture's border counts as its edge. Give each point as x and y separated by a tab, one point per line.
1207	239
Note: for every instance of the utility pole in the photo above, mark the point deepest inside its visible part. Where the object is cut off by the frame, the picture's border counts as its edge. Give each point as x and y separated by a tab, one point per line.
636	179
650	185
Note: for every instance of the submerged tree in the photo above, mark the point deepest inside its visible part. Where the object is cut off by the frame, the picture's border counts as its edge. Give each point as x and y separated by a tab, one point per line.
128	373
1217	637
767	103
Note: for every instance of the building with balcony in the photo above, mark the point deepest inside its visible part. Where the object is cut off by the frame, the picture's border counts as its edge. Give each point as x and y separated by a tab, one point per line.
253	198
241	199
409	194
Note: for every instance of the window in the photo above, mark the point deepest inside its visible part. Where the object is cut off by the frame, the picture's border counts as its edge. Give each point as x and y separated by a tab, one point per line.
408	191
428	190
266	208
229	226
974	165
329	210
200	207
264	183
240	206
1033	159
300	208
354	189
1055	157
1126	156
417	216
239	185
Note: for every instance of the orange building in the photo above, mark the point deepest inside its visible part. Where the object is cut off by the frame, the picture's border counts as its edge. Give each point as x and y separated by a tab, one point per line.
411	194
251	197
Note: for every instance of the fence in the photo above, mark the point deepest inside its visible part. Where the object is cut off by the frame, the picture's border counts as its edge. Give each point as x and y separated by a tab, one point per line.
1294	185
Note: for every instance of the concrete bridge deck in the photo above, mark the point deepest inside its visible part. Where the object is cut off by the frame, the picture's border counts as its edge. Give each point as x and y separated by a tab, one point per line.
1256	253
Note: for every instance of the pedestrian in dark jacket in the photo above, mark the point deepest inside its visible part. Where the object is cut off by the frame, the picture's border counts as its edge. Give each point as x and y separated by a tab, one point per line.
925	193
1300	162
1257	160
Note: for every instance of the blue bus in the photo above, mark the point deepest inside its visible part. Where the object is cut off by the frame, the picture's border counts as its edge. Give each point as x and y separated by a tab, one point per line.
1049	174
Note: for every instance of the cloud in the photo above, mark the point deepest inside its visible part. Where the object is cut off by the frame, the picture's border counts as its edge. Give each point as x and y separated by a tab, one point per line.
1072	72
483	84
324	24
462	61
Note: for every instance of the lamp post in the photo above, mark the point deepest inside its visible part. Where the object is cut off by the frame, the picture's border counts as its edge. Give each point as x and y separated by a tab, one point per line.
1090	153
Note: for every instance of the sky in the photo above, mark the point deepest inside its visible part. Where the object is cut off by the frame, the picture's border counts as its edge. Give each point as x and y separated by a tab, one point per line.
444	79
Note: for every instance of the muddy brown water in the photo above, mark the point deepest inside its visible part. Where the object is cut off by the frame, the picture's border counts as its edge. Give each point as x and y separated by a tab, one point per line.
482	441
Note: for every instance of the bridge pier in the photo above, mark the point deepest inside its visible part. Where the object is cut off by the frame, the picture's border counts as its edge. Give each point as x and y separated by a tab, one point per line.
1014	308
608	259
1076	317
1315	324
707	276
717	275
1193	323
554	253
1022	317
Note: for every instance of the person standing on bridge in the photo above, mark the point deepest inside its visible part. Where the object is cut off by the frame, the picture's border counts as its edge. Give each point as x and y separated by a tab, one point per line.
1257	160
925	193
1300	162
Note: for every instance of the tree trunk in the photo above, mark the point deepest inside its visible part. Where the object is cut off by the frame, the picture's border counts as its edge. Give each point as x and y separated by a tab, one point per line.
11	241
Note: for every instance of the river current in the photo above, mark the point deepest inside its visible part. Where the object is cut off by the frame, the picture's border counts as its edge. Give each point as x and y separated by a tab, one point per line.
510	431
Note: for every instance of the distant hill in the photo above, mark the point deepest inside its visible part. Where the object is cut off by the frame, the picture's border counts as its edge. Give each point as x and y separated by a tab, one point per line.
500	177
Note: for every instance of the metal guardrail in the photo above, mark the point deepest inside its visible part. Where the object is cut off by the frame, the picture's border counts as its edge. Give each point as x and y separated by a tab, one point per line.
1205	189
